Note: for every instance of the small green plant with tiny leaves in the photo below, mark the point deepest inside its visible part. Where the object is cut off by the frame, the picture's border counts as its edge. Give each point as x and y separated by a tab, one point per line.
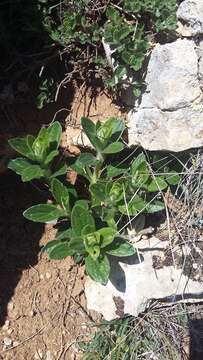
114	193
129	27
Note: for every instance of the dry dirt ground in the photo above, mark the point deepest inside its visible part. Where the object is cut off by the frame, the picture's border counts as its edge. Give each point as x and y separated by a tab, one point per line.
42	303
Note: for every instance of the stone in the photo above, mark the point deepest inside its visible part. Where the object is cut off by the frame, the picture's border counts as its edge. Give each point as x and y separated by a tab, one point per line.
7	341
134	283
170	114
190	15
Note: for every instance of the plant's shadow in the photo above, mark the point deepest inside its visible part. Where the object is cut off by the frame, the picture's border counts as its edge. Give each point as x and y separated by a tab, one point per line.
19	238
196	338
117	274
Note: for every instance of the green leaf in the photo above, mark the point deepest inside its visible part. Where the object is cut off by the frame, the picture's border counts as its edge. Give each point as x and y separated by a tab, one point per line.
172	178
113	148
61	251
90	130
21	146
61	194
64	235
121	248
77	245
113	14
98	269
61	170
32	172
111	130
113	171
139	171
51	156
87	159
83	203
139	160
50	245
133	207
114	191
43	213
41	144
156	184
54	135
80	217
107	235
155	207
18	165
98	191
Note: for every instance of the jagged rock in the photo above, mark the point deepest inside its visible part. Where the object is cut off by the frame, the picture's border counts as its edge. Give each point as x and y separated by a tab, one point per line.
190	14
170	115
134	283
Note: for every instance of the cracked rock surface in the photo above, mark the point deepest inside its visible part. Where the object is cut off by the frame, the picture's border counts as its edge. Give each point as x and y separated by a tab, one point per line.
170	115
190	14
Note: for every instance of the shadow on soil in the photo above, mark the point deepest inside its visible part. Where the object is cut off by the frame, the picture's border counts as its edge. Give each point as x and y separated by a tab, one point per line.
196	339
19	238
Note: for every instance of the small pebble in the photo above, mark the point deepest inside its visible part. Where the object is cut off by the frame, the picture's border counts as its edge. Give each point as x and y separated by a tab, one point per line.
38	355
48	275
7	341
10	306
6	325
145	237
16	343
9	331
195	266
49	355
41	277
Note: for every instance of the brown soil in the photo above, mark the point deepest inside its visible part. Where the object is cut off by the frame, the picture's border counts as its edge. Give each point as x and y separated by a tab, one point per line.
42	304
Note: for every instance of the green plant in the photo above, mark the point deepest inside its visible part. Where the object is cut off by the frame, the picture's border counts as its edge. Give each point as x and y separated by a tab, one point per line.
130	28
155	334
113	192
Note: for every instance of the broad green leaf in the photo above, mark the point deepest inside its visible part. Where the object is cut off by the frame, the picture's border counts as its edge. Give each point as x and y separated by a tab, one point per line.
113	148
155	207
43	213
113	171
88	126
50	245
112	130
98	269
98	191
61	251
41	144
114	191
90	130
172	178
61	194
30	140
133	207
54	135
87	159
32	172
64	235
80	217
21	146
119	247
113	14
60	170
88	229
139	171
18	165
77	244
107	235
51	156
135	166
156	184
83	203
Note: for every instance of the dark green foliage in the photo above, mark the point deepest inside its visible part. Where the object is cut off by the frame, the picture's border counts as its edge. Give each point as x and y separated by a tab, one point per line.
115	194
